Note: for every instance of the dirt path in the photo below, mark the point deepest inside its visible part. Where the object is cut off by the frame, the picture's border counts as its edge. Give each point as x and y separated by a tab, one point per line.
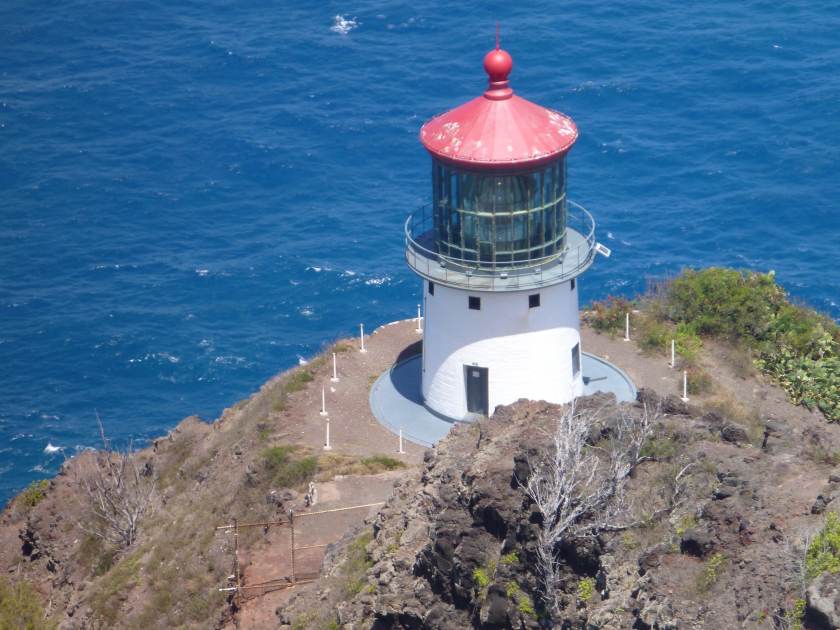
270	557
353	429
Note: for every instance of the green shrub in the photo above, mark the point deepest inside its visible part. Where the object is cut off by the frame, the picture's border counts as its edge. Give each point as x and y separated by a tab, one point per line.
796	346
823	554
356	565
687	341
524	603
699	381
287	467
480	577
35	493
659	447
685	523
609	315
21	608
298	379
509	558
483	576
711	572
653	335
725	302
586	589
795	616
382	462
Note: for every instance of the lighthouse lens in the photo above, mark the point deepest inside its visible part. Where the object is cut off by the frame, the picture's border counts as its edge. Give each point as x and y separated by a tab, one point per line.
500	221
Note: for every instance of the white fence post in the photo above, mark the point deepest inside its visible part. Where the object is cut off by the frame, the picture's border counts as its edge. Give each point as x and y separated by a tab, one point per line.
402	450
327	446
627	326
362	337
334	378
673	354
685	386
323	401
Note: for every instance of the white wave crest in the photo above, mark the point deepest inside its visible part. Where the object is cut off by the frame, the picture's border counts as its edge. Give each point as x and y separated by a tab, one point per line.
343	25
49	448
375	282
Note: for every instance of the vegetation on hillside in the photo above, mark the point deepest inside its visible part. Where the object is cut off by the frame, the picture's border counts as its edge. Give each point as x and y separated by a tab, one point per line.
823	554
21	607
792	344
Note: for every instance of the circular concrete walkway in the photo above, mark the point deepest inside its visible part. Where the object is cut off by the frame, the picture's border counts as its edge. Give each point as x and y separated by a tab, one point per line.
397	403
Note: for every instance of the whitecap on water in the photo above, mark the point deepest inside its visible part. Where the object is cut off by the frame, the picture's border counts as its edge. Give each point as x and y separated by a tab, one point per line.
301	360
343	25
375	282
49	448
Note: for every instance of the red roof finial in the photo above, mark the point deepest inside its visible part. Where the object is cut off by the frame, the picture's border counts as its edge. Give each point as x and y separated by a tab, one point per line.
498	64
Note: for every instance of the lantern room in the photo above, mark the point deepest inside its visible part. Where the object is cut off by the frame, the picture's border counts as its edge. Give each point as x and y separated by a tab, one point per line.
499	177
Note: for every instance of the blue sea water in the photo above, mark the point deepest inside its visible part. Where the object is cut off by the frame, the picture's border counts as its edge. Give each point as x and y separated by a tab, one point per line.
194	195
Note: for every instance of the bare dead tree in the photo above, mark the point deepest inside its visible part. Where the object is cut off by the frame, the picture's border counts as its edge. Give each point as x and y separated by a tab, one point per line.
580	488
117	492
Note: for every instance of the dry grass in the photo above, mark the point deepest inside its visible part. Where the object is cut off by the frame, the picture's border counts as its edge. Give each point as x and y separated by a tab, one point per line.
333	465
730	409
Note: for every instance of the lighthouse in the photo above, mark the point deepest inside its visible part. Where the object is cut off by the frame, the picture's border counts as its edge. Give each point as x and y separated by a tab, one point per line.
500	251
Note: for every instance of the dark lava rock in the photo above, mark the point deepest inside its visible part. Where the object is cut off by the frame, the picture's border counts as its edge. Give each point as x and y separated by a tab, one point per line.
649	559
721	493
823	602
734	433
696	542
670	404
820	504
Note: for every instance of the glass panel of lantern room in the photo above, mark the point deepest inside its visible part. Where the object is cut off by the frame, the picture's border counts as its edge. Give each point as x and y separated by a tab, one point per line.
496	220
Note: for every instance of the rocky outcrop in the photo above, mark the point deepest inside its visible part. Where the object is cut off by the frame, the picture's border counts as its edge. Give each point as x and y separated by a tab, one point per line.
823	601
455	547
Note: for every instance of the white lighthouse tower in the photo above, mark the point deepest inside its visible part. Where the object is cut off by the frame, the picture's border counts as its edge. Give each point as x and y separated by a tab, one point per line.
499	249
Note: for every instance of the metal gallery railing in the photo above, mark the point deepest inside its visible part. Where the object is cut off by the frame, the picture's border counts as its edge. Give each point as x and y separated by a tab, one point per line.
575	257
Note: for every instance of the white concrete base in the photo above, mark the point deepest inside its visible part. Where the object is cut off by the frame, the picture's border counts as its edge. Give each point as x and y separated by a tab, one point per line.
527	351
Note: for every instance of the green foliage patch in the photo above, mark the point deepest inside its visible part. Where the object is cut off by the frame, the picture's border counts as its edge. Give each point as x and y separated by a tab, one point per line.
35	493
509	558
21	607
524	602
586	589
711	572
377	463
298	379
287	467
356	565
794	345
823	554
609	315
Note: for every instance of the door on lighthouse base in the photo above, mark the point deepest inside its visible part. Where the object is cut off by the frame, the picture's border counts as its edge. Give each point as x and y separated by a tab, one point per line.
477	394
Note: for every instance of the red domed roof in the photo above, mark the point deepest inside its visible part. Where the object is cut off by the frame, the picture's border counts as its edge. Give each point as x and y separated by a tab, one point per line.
498	130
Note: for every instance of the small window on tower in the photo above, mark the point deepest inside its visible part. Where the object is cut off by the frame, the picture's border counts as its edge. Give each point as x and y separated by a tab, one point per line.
534	300
431	288
576	360
475	303
572	284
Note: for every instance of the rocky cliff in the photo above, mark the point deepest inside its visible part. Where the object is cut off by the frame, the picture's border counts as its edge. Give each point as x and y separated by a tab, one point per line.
721	546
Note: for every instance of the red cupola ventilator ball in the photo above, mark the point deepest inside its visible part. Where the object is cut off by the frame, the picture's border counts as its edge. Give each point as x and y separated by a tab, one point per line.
498	64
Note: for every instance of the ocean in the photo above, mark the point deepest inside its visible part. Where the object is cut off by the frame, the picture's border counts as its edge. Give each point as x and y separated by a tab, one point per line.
196	196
